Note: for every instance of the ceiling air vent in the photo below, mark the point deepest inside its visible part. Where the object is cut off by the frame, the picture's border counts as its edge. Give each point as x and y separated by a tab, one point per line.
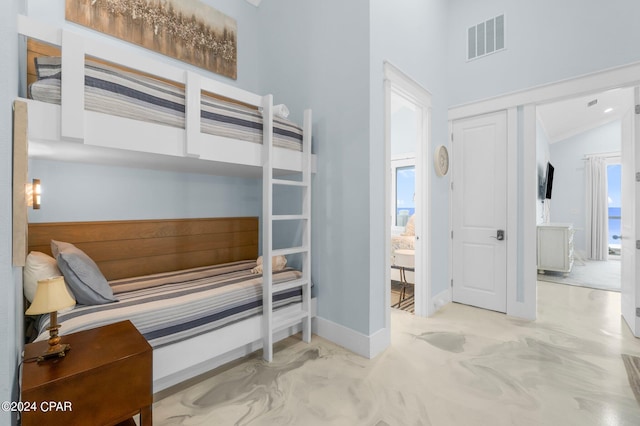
485	38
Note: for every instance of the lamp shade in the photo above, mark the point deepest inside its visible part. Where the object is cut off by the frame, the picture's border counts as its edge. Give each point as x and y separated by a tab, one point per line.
51	295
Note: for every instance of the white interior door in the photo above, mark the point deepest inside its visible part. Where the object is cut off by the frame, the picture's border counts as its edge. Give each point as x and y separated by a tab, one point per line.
480	211
628	251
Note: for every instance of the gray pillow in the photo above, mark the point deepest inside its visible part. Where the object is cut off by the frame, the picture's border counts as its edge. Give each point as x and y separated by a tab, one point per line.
82	275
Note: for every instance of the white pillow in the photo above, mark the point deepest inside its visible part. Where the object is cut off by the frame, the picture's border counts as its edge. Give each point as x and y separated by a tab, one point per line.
39	266
410	228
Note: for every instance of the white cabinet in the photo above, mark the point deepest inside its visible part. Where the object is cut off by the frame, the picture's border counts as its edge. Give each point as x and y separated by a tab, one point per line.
555	247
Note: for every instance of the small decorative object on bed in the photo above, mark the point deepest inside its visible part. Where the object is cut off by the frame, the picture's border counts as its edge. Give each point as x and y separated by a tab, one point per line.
51	296
277	264
187	30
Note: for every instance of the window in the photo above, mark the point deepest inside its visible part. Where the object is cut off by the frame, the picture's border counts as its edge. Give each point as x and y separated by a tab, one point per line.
403	175
613	193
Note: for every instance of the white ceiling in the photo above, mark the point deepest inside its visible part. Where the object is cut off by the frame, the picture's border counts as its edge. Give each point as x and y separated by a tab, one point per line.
564	119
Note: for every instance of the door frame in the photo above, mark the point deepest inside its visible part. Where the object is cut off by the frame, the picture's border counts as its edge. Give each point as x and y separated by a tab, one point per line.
399	83
523	302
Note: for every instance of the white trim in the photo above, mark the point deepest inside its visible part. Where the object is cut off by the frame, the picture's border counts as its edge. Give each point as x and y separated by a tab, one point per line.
356	342
387	195
439	300
409	88
72	85
612	78
396	81
379	341
528	310
512	210
452	166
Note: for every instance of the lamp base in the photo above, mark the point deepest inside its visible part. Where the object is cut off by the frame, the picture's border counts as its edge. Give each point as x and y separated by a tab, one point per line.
57	351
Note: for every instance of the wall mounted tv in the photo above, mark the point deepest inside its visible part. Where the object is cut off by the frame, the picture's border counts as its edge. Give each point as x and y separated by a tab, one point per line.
549	181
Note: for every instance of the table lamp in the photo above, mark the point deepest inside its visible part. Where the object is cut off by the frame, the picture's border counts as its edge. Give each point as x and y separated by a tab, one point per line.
51	296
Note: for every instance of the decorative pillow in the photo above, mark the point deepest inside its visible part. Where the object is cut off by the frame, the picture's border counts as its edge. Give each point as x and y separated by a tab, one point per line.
38	266
48	67
82	275
410	227
277	264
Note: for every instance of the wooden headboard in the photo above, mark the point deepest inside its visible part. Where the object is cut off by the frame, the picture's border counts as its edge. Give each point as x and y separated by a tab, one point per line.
132	248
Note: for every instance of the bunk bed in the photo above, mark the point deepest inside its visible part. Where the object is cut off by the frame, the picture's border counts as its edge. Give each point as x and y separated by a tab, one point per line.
66	124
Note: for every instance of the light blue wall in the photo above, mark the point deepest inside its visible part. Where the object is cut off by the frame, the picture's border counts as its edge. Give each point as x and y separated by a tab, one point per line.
316	55
547	41
10	299
408	34
89	192
568	201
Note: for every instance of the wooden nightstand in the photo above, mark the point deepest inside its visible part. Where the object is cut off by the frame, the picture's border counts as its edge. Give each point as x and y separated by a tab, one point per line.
105	378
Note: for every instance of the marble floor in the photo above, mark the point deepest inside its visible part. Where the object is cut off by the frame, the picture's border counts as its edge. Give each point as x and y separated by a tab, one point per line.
603	275
464	366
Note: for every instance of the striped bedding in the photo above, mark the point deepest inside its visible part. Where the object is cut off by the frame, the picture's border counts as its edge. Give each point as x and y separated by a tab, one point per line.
117	92
170	307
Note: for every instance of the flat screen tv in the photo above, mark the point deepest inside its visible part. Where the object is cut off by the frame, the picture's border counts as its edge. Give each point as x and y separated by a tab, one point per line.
549	181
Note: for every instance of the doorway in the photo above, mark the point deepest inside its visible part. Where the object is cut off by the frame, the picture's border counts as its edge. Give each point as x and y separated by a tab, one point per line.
407	191
582	138
522	107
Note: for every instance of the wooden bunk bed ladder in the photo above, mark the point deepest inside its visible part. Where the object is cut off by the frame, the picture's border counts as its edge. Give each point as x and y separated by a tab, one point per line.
273	321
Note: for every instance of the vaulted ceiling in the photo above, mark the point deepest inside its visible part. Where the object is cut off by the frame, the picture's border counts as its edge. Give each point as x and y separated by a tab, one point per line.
570	117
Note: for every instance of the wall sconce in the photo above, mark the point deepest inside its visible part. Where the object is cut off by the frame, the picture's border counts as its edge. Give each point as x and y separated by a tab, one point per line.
33	193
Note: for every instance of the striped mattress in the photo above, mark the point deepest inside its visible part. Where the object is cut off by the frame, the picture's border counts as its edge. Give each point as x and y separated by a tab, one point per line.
173	306
117	92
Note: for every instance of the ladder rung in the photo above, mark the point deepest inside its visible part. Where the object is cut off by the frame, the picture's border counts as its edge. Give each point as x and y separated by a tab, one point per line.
291	250
288	182
287	320
290	217
288	285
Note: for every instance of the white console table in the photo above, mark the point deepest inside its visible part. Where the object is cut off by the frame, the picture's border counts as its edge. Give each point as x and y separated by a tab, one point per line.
555	247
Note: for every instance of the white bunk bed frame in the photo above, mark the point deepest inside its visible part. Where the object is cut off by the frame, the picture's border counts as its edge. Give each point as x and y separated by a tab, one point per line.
69	132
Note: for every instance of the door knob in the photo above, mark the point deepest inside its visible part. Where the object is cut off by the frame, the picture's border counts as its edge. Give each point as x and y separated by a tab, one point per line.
499	235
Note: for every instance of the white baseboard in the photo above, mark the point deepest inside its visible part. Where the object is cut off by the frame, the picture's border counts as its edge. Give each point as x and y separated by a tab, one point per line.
439	301
520	310
361	344
379	341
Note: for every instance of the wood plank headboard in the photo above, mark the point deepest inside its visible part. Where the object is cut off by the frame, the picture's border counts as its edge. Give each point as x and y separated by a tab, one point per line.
132	248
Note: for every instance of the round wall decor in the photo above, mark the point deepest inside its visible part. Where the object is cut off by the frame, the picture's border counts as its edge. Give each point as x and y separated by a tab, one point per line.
441	160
